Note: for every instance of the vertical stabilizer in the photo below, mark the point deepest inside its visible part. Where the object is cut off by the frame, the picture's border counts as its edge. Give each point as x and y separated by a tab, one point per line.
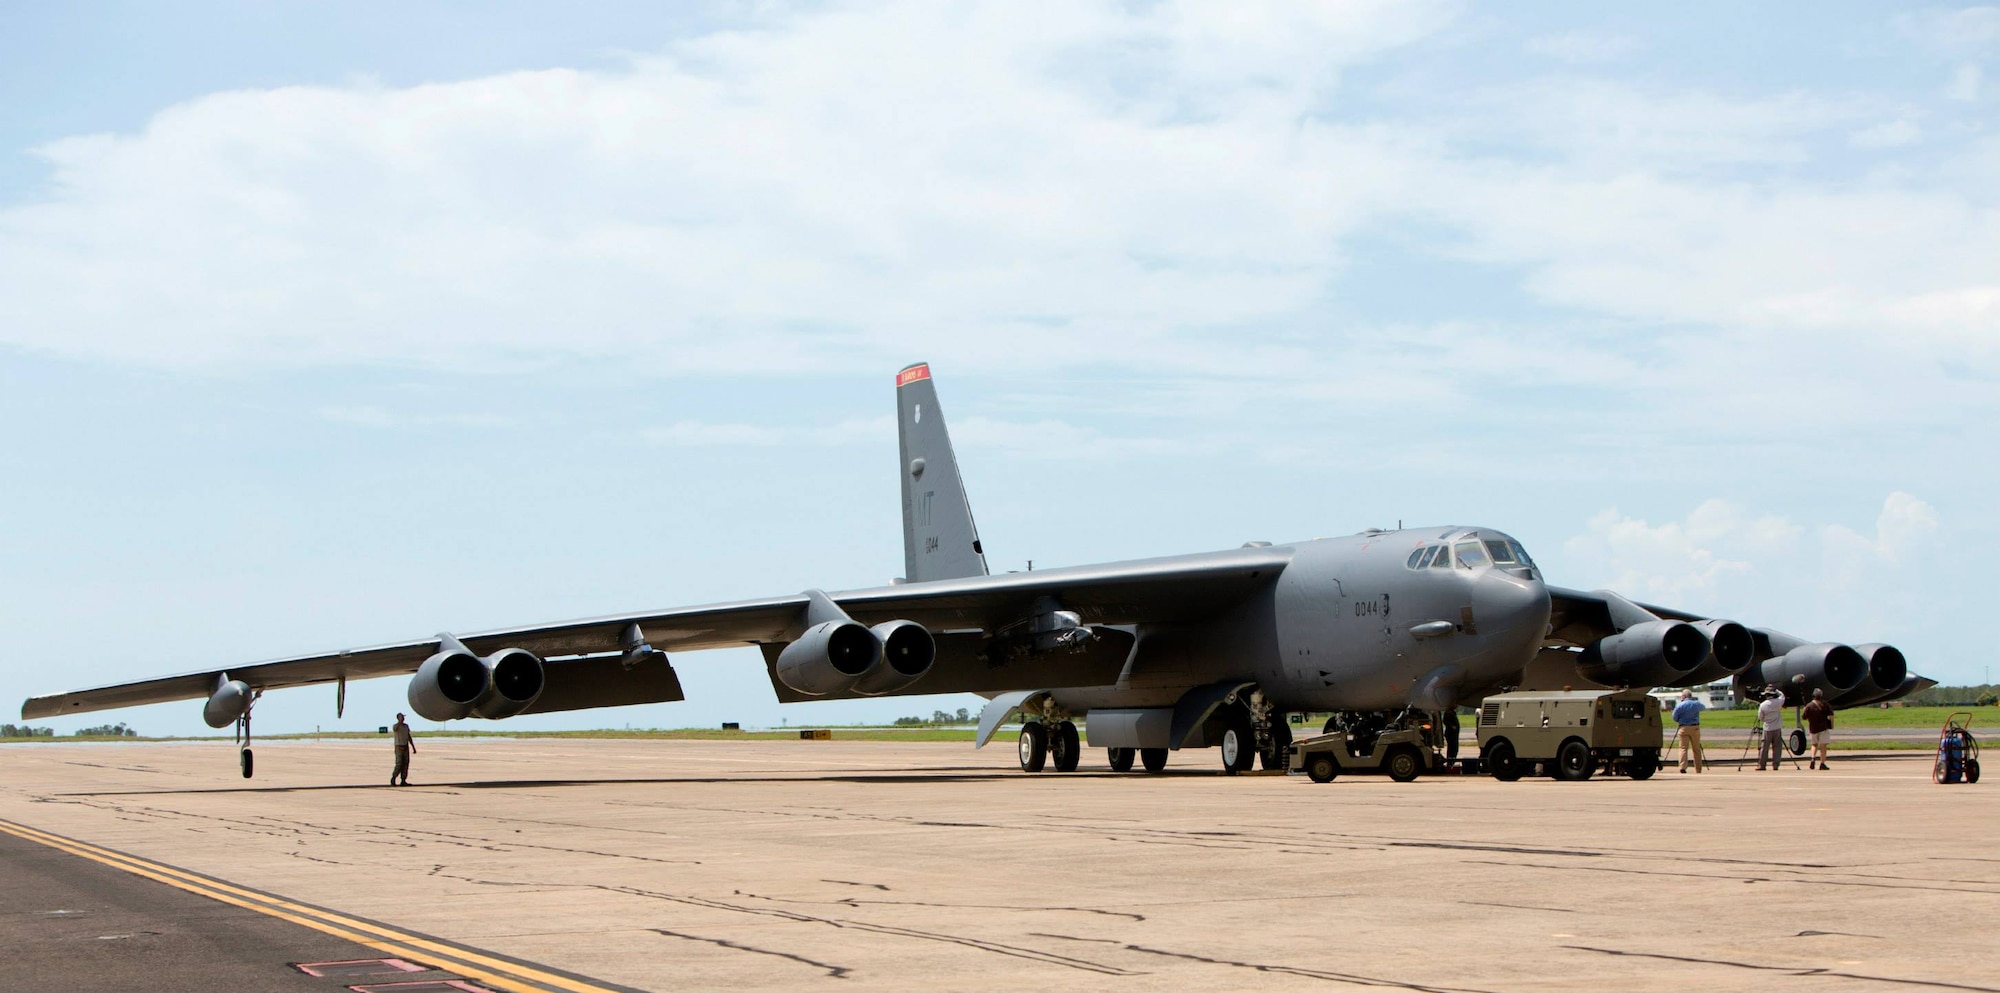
939	538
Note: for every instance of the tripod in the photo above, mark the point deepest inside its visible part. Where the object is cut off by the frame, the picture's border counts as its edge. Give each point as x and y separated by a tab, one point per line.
1756	737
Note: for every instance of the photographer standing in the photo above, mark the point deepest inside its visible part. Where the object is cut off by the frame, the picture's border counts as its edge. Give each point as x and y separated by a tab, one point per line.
1687	718
1771	717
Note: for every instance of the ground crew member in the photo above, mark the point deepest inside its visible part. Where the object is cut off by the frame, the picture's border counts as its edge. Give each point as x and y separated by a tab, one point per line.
405	744
1819	725
1687	718
1771	717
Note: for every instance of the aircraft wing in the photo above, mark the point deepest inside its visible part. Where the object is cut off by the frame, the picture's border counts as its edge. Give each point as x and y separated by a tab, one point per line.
1577	618
1187	587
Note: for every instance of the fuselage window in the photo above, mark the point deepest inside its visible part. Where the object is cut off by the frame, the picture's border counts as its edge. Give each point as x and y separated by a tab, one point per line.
1499	551
1415	556
1470	555
1441	560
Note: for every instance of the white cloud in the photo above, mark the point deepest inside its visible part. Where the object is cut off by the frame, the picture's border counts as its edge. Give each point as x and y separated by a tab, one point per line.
1966	83
1587	47
1956	31
1722	558
1890	134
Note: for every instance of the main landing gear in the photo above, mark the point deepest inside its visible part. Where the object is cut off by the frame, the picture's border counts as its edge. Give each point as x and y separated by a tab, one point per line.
1042	744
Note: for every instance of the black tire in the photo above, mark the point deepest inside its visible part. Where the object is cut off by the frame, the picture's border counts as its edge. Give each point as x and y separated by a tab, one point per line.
1643	763
1034	747
1065	748
1321	767
1403	763
1237	743
1796	741
1279	754
244	759
1573	763
1121	759
1499	758
1153	759
1972	770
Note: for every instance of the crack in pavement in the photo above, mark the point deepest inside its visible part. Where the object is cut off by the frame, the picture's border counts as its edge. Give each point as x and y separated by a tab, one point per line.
1807	880
832	971
1355	979
857	903
1786	969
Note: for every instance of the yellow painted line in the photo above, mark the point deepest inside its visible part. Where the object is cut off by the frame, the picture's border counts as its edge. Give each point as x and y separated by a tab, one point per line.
511	976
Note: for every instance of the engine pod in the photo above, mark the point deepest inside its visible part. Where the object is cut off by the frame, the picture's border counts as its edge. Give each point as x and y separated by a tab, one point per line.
830	658
1826	666
1651	653
447	685
516	679
1730	649
907	653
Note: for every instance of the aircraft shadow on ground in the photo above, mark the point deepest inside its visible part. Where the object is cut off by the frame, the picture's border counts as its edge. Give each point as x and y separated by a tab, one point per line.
889	779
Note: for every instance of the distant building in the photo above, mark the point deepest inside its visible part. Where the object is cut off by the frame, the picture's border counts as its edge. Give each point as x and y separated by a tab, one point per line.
1715	696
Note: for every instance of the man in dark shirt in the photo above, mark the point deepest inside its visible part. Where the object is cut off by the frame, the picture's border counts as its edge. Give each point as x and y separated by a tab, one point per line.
1819	725
405	744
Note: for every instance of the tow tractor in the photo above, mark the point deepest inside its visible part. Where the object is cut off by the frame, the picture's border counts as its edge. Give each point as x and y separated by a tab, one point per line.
1403	745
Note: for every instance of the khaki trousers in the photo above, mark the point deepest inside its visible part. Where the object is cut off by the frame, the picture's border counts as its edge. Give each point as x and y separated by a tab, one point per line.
1772	743
402	767
1690	736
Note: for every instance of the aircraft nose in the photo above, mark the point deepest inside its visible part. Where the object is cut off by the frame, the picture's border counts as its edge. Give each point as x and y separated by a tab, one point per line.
1506	604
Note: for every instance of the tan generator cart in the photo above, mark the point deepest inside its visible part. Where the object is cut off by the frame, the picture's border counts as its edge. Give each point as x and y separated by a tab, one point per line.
1570	733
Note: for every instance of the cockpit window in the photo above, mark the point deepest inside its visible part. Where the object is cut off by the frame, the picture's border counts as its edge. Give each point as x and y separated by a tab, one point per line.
1442	560
1470	555
1415	556
1502	555
1521	554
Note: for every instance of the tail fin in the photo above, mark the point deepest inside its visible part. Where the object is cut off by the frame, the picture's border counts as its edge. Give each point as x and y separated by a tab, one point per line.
939	539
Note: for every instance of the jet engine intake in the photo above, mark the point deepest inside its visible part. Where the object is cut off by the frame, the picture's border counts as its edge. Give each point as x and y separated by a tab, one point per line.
831	657
1827	666
907	653
229	703
515	681
448	685
1651	653
1886	671
1730	649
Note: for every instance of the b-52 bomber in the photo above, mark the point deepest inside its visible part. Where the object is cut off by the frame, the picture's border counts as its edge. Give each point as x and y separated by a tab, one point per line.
1214	649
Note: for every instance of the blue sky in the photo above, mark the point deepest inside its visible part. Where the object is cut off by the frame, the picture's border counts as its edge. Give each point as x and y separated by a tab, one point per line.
326	325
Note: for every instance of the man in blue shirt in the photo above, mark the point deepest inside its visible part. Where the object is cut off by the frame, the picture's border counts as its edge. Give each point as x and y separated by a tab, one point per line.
1687	719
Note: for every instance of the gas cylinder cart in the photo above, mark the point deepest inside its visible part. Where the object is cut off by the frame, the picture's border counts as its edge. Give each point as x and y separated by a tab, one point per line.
1958	752
1405	747
1570	733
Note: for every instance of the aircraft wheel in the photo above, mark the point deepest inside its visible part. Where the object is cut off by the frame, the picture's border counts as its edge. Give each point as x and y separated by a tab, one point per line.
1121	759
1403	763
1154	759
1238	743
1276	756
1574	762
1499	757
1064	747
1643	763
1321	767
1034	746
1797	741
243	758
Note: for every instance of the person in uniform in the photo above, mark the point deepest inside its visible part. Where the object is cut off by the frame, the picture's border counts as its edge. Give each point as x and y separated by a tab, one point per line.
405	744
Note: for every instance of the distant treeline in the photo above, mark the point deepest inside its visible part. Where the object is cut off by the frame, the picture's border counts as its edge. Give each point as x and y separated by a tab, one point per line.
118	730
1983	695
963	716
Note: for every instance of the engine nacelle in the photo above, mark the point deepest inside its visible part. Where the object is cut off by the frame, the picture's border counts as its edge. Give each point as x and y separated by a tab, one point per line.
448	684
230	701
1827	666
1887	669
907	653
831	657
1730	649
1651	653
514	681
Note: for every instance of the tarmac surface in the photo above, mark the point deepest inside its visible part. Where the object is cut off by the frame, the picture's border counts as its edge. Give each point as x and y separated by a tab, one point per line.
785	865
